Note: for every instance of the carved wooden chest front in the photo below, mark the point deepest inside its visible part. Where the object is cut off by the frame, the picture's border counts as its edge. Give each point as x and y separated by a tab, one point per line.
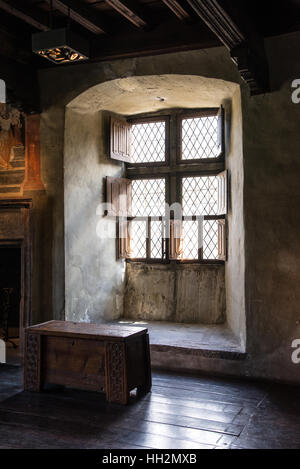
106	358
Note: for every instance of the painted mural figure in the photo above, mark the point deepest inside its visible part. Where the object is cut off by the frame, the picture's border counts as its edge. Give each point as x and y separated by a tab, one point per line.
10	134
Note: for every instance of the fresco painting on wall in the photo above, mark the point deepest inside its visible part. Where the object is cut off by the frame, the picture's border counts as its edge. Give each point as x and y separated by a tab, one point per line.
11	135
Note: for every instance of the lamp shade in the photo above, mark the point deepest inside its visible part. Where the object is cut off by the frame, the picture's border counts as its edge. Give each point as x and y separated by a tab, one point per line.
60	46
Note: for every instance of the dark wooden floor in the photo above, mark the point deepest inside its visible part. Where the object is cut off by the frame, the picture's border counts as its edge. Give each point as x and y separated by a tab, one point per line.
181	412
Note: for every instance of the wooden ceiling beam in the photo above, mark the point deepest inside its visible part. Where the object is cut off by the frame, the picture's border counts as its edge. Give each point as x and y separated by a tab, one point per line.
246	51
218	21
129	11
78	13
9	8
162	39
177	9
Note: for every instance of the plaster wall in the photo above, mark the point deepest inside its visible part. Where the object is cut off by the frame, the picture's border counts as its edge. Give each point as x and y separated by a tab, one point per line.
48	230
235	265
94	278
271	194
272	226
156	292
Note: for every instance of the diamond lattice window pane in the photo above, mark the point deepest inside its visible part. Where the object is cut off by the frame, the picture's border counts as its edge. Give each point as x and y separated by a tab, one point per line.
156	239
148	142
190	244
210	239
148	197
200	138
138	235
200	195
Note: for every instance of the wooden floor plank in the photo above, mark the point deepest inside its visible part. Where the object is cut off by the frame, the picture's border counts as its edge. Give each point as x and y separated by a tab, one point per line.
161	413
168	427
204	396
226	384
198	385
192	422
194	404
41	434
182	412
167	414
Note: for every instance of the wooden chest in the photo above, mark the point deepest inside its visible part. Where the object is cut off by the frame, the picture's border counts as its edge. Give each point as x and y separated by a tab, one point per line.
108	358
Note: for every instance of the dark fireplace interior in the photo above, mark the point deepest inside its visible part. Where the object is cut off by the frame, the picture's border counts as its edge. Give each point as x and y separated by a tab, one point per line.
10	289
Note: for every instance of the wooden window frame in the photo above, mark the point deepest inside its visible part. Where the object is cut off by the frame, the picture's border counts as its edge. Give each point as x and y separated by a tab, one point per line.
148	259
207	112
165	243
150	119
173	169
148	219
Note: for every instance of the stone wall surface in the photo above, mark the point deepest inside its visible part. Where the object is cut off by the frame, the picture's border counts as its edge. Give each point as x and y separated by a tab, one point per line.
151	293
181	293
94	277
263	292
235	265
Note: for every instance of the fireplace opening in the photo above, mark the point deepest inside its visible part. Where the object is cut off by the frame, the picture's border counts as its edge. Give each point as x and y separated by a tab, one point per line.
10	297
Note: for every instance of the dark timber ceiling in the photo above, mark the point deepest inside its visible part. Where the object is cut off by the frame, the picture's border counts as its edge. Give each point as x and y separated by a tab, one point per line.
124	28
132	28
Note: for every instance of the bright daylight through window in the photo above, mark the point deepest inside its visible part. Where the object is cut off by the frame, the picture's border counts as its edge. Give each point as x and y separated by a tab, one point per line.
197	139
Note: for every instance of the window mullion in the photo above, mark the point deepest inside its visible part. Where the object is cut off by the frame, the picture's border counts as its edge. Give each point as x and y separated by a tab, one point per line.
148	239
173	148
200	239
175	172
173	143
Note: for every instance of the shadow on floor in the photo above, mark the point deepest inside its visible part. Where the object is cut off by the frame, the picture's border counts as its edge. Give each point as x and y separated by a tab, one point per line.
181	412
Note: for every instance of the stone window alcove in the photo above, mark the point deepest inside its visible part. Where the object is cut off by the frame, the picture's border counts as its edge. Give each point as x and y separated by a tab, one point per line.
99	287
